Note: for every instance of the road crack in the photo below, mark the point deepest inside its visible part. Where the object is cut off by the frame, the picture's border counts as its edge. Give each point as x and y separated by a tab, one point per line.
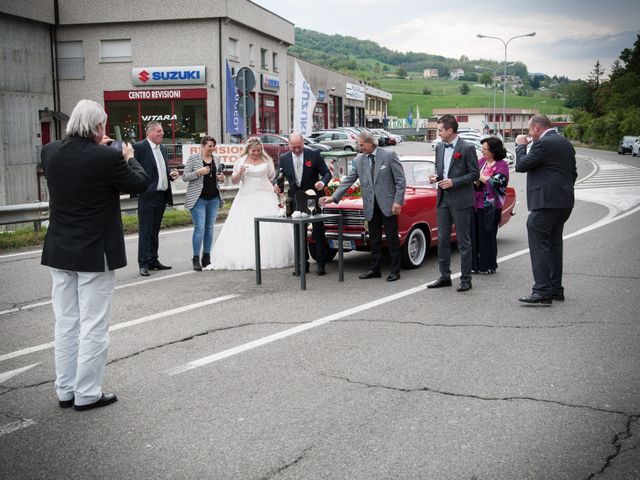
472	325
288	465
618	440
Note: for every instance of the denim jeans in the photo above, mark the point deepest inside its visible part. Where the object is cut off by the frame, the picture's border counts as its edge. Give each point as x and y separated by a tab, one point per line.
203	216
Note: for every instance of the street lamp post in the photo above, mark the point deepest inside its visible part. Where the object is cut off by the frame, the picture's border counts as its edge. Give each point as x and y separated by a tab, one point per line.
493	82
504	79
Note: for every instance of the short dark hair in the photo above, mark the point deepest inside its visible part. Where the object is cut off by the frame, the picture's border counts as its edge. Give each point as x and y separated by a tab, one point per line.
495	146
208	138
541	120
449	121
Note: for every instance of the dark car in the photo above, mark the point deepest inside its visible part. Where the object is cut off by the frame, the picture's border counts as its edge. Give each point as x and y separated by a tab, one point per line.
626	144
274	144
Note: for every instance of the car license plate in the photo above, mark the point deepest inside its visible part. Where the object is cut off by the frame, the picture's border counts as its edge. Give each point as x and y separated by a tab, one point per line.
346	244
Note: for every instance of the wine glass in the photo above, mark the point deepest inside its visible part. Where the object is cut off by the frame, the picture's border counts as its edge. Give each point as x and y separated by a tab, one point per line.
311	205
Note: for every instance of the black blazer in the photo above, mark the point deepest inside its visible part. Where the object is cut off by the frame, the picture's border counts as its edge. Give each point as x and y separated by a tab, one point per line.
463	171
314	168
85	180
551	171
144	155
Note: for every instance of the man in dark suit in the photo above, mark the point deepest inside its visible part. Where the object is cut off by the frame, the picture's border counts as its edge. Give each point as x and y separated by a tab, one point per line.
456	170
551	174
83	247
151	204
383	185
305	169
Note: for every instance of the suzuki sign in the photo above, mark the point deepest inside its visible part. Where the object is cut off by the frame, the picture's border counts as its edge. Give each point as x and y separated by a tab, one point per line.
168	76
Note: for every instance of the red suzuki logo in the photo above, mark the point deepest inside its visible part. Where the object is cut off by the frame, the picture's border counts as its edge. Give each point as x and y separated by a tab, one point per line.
143	76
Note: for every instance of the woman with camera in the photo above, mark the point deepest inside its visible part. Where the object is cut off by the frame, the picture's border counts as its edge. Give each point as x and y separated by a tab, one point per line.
490	191
203	172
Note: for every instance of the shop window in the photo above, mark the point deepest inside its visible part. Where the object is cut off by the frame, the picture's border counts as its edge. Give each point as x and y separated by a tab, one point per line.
191	120
70	61
113	51
123	121
233	49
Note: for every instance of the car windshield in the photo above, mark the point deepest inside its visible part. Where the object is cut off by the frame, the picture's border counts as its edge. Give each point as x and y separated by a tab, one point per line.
628	139
417	172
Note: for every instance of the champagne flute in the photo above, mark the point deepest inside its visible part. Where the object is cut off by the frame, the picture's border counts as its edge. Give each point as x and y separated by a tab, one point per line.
311	205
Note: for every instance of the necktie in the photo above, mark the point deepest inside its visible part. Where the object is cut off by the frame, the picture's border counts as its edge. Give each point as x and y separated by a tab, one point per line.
372	163
448	145
298	169
163	183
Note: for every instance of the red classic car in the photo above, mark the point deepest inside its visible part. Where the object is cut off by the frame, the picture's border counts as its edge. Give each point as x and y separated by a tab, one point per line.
416	223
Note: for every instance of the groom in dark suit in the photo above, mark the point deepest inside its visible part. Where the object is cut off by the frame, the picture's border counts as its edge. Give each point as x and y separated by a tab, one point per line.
456	170
305	169
551	174
152	155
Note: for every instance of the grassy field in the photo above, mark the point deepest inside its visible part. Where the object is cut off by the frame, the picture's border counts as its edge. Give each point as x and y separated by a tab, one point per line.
446	94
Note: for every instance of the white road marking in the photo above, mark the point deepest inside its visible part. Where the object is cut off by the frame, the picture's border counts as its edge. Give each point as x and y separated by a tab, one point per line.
610	218
12	373
119	326
14	426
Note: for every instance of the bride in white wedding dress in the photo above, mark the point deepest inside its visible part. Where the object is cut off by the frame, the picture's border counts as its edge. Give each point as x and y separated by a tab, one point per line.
235	248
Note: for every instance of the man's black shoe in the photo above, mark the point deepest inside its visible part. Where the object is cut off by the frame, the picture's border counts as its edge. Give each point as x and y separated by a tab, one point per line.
464	286
106	399
320	271
144	271
439	283
369	274
297	274
535	299
65	403
393	277
159	266
559	297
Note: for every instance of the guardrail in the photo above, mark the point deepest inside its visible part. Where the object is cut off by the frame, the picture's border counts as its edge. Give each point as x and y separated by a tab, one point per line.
38	212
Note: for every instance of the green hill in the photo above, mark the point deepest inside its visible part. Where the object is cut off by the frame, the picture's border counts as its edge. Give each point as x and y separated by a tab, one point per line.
379	67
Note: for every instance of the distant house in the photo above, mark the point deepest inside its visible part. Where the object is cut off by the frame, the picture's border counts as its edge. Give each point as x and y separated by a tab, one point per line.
484	120
456	73
430	73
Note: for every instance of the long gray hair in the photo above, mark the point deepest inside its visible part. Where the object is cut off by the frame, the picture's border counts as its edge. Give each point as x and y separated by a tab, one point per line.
85	119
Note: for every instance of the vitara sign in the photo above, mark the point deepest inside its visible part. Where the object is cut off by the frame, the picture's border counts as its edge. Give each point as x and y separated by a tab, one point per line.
168	76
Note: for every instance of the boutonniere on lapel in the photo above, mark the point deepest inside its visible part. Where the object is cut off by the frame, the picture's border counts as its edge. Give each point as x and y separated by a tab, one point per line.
307	163
456	155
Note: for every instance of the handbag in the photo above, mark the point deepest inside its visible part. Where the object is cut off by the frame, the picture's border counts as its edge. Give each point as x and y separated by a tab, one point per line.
488	216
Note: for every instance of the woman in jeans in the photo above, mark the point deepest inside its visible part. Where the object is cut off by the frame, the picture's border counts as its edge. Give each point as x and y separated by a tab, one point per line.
490	191
203	199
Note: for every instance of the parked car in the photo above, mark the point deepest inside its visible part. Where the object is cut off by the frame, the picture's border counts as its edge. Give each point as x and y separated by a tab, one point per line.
387	138
274	144
635	148
417	225
398	138
626	144
339	140
311	143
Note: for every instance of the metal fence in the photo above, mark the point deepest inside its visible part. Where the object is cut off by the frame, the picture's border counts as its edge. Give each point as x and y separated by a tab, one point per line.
38	212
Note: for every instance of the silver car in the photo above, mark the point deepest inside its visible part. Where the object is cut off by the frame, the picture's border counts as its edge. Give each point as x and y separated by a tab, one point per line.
339	140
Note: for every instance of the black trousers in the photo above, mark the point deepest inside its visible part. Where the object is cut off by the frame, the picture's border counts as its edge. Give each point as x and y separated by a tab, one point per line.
390	224
151	206
448	216
319	239
484	244
544	229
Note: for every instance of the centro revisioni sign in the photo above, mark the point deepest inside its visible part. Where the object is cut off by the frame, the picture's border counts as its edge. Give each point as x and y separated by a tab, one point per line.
193	75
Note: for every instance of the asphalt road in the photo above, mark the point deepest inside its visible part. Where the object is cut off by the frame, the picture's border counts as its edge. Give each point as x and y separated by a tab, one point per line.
219	378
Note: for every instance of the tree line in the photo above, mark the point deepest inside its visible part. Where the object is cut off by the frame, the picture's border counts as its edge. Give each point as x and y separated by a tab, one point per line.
607	109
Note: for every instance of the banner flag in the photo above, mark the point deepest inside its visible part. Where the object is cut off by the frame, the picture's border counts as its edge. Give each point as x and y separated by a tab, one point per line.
304	102
410	117
417	118
234	121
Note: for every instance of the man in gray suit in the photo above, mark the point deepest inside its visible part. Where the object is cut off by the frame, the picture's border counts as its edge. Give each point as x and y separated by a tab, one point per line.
456	170
382	183
551	174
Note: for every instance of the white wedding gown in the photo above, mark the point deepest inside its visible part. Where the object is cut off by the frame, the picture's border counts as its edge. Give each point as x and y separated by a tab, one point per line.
235	247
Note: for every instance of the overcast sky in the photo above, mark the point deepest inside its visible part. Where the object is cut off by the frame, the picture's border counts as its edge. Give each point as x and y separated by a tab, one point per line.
570	34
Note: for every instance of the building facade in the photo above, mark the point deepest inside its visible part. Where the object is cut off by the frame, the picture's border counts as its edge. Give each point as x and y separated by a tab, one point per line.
164	61
484	119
